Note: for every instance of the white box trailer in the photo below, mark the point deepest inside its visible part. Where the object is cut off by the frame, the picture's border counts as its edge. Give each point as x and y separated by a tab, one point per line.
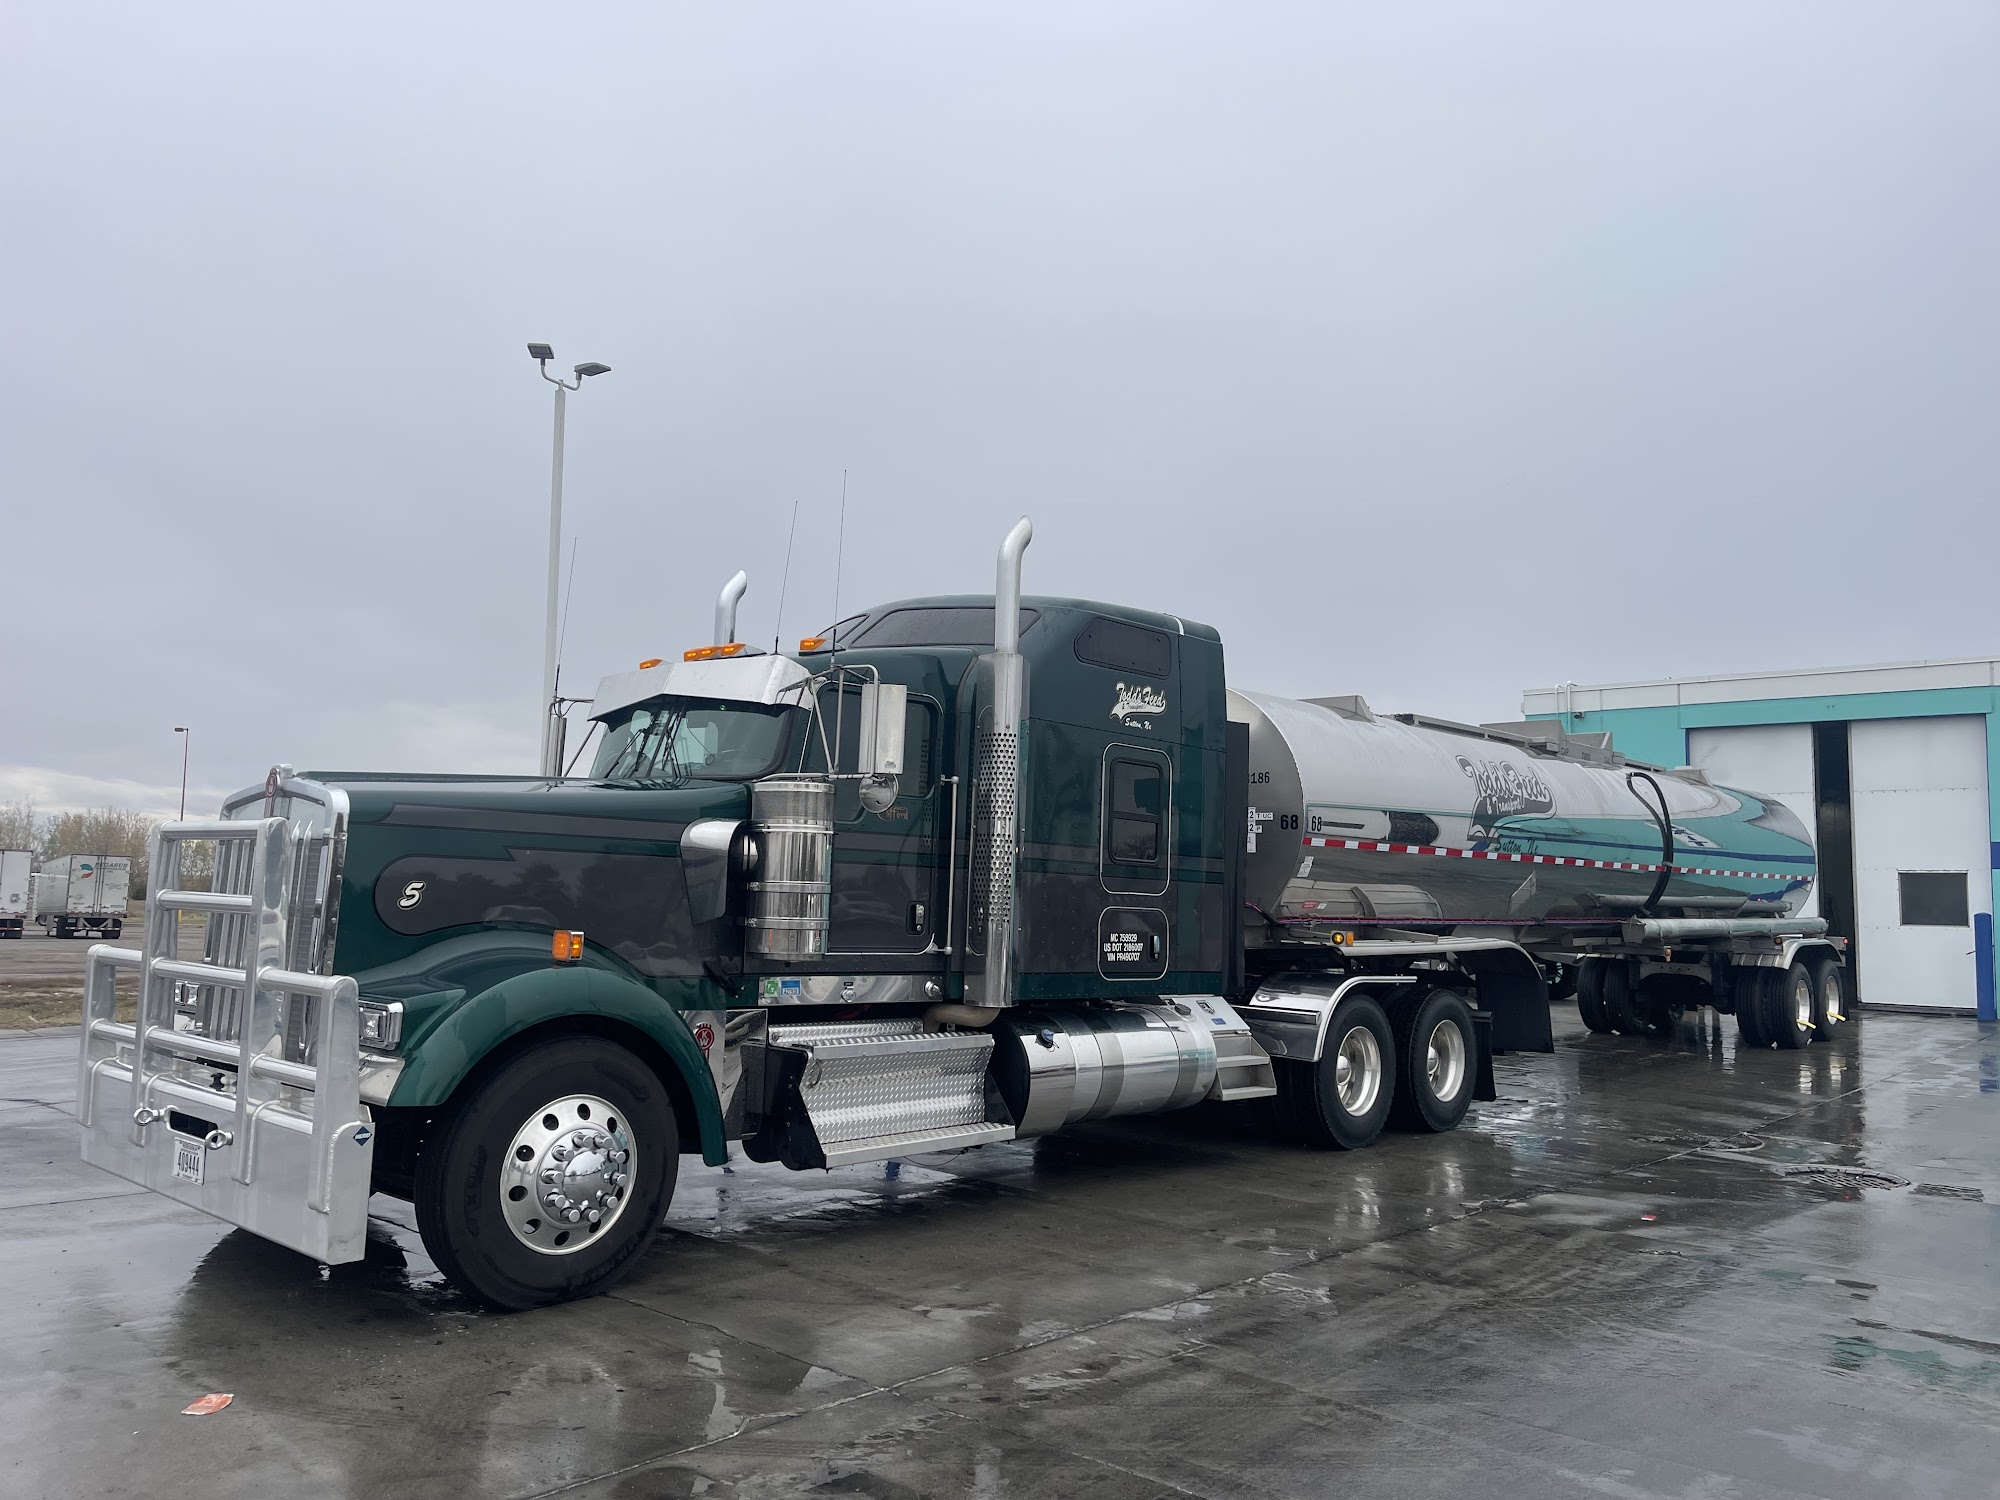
83	893
14	877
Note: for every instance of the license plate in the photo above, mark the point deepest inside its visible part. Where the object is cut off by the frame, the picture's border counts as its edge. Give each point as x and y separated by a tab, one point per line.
188	1159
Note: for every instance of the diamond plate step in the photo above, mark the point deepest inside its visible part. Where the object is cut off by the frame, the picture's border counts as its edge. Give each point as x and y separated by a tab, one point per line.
877	1089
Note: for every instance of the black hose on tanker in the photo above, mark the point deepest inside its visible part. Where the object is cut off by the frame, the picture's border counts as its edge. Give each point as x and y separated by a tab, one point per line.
1666	822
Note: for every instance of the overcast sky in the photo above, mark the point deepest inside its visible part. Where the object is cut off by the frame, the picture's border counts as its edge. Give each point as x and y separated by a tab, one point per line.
1431	352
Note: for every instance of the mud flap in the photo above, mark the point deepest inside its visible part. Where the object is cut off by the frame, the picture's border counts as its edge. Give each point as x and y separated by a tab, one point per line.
1482	1036
1517	998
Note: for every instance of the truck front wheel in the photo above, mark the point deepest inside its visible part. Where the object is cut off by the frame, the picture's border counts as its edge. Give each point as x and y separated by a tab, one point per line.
549	1179
1343	1099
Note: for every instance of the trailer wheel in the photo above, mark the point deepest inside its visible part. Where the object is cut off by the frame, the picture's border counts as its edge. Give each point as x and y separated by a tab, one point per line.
1590	995
1621	1006
1436	1056
549	1179
1829	1000
1792	1001
1343	1099
1749	986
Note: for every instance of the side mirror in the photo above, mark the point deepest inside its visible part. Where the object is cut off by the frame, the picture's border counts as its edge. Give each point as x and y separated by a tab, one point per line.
884	708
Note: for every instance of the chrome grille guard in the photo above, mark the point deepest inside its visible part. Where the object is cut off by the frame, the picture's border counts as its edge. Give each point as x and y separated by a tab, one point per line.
236	1088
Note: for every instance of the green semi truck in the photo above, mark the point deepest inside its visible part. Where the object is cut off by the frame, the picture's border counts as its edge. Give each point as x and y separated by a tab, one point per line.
962	870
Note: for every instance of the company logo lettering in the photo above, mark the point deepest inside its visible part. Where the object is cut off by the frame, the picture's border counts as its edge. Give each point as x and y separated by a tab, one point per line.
412	894
1137	704
1504	790
704	1037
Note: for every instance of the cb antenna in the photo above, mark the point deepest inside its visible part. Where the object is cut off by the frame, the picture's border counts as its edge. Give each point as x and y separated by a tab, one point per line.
790	537
839	552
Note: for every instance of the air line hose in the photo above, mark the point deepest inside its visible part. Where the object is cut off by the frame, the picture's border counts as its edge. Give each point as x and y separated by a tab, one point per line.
1665	819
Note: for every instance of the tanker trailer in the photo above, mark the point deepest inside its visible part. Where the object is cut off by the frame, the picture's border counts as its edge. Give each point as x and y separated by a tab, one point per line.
1366	826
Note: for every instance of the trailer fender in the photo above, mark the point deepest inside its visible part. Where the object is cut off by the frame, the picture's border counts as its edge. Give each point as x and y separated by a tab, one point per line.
591	999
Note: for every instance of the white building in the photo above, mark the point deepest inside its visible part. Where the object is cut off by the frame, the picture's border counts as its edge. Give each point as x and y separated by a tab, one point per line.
1891	766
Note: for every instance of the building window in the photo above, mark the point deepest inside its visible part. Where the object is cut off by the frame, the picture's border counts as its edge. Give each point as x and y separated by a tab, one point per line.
1934	898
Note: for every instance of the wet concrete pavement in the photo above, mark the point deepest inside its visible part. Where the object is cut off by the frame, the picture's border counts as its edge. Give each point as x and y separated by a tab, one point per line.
1614	1281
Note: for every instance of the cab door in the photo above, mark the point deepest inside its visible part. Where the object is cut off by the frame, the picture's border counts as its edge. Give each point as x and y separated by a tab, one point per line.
1135	848
886	865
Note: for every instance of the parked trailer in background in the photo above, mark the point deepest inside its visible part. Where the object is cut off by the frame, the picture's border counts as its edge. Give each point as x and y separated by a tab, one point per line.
83	893
973	870
14	877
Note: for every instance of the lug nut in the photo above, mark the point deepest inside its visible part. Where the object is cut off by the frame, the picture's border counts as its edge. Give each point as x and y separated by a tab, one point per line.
550	1174
594	1216
571	1215
560	1153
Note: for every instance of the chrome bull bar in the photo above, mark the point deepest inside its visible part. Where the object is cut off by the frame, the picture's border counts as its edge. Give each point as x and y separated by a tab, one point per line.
288	1149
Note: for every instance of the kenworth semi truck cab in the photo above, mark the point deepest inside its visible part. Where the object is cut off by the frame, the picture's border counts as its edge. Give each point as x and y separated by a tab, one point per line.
964	870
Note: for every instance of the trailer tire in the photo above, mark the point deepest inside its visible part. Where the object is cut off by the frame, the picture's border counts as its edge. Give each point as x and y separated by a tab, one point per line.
1590	995
1437	1056
1749	986
1621	1006
1343	1100
1793	1000
467	1212
1830	1002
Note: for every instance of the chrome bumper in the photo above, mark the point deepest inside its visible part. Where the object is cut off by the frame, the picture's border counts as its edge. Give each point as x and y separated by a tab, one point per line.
237	1127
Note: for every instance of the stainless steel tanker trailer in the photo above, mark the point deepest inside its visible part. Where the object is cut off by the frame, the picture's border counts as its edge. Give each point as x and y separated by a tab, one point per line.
948	875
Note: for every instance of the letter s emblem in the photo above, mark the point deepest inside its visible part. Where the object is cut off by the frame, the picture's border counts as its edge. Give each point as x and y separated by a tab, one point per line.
412	894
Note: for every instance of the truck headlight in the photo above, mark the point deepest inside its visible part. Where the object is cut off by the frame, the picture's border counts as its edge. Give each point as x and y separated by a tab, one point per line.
381	1023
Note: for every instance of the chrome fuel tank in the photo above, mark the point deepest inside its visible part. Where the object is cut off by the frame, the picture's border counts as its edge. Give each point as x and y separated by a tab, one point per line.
1358	820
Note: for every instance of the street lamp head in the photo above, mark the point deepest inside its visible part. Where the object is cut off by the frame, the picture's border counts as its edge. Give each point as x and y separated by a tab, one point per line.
180	729
541	351
593	368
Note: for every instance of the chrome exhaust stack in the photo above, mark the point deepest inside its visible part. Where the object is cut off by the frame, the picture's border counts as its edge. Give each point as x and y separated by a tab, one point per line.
992	869
725	607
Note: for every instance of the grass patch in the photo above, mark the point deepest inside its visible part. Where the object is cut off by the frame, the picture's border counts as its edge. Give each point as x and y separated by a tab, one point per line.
29	1005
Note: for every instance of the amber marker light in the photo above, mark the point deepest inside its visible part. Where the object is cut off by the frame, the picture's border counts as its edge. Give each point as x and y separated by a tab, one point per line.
710	653
813	643
566	947
651	661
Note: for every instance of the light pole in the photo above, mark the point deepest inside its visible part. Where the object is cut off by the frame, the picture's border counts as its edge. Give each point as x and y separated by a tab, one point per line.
541	354
186	740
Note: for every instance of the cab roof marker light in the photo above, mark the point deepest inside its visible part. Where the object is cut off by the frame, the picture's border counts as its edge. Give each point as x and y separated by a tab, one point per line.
813	643
709	653
650	662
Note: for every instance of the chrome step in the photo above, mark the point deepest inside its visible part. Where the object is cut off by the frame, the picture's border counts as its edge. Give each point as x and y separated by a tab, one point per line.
877	1089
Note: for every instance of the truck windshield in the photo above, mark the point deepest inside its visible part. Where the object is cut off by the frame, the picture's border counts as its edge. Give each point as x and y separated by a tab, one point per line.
687	739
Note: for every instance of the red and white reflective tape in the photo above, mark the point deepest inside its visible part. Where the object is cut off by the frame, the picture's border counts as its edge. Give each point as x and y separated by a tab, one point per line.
1377	846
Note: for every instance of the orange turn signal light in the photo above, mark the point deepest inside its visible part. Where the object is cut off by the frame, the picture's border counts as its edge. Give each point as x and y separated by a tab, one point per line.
709	653
567	947
651	661
813	643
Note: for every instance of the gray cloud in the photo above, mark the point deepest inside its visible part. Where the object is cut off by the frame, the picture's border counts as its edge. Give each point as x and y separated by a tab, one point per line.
1428	352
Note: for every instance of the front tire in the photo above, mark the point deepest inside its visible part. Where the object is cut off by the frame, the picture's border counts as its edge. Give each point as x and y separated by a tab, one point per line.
551	1176
1342	1100
1437	1055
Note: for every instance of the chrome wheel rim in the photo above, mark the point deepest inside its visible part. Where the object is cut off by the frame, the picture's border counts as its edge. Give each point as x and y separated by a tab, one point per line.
568	1174
1802	1004
1830	996
1357	1071
1444	1060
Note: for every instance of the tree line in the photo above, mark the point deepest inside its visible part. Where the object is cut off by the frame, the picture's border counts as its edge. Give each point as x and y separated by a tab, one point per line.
109	831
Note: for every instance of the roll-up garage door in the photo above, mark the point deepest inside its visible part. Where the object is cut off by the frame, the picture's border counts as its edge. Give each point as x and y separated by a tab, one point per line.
1922	853
1773	760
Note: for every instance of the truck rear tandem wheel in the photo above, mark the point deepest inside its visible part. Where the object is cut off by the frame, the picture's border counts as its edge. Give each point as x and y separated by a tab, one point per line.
1343	1099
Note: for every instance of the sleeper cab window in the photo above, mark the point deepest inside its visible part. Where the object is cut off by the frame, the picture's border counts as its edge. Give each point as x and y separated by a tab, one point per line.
1126	648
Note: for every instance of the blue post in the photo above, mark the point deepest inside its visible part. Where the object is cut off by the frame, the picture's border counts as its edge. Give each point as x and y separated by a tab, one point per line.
1982	950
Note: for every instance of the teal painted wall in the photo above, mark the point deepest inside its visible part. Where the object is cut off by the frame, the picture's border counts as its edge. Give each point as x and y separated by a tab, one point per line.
1660	734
